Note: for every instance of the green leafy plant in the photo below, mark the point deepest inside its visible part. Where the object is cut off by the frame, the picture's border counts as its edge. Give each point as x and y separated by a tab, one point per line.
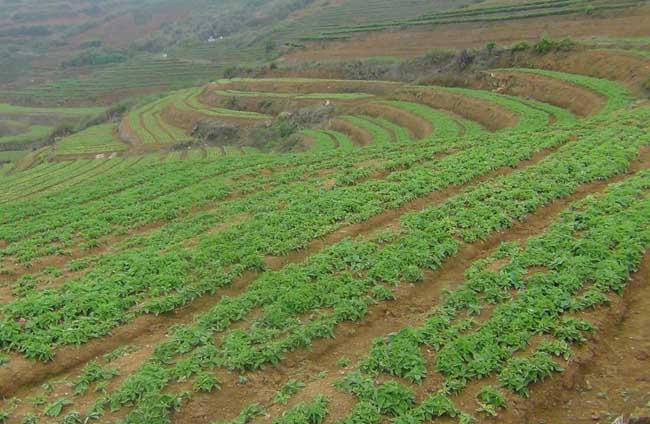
521	372
289	389
55	408
490	400
29	418
313	412
205	382
246	416
343	362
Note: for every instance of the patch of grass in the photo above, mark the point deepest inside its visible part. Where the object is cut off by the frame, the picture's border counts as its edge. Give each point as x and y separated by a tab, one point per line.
97	139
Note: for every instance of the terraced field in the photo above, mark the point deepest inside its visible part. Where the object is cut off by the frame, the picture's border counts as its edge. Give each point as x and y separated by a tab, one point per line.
138	76
435	254
22	128
367	112
95	140
477	13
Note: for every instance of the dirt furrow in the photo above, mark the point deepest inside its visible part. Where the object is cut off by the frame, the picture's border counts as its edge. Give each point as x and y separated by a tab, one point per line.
577	99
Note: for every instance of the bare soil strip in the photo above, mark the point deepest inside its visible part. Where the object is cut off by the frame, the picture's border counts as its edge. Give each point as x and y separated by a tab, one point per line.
609	376
634	22
627	68
359	135
579	100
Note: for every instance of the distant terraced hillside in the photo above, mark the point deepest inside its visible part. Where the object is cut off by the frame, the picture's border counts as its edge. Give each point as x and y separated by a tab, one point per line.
100	53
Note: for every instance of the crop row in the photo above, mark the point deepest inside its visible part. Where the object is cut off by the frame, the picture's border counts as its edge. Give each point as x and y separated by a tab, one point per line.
37	182
150	127
480	15
515	325
169	74
106	296
191	102
298	96
305	302
96	139
617	97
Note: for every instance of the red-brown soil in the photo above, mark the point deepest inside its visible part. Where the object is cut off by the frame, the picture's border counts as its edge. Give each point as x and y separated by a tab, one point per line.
23	375
353	340
610	375
628	68
299	87
410	43
579	100
418	127
358	135
488	114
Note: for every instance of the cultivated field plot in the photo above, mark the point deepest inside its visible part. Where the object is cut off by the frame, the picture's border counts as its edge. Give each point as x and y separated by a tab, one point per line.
436	255
23	127
499	13
139	76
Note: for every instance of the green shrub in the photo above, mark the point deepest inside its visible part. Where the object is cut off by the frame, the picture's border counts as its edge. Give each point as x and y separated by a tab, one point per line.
521	46
96	57
490	400
565	44
543	46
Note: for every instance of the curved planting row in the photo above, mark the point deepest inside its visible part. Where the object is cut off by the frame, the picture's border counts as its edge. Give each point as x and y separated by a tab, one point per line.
292	308
241	101
258	248
148	127
515	321
92	141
